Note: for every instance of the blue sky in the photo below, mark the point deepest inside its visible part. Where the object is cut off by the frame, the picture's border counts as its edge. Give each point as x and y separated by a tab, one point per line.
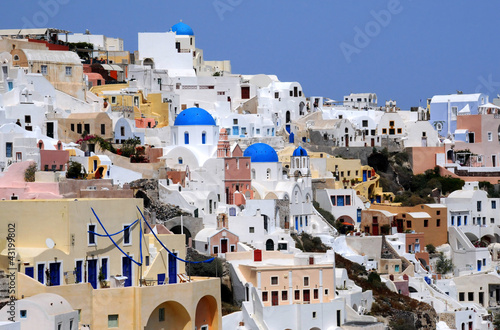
411	49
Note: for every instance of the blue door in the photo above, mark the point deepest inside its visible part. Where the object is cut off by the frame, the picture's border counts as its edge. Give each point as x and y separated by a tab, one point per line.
172	269
287	127
161	279
78	274
364	176
186	138
203	138
29	271
127	270
479	263
379	199
40	269
358	215
55	276
92	264
340	200
236	130
291	138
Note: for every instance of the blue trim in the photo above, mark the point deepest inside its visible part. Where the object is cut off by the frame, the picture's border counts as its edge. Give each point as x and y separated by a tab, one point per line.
121	231
109	236
172	254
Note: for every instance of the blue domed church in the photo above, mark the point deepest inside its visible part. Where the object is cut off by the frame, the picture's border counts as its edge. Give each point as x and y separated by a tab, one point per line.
194	138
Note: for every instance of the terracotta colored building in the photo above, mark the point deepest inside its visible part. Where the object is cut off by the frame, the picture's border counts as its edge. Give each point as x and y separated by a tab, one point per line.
429	219
53	160
376	222
237	171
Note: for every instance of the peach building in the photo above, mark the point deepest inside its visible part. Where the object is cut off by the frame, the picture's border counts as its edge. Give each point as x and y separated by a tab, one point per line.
294	291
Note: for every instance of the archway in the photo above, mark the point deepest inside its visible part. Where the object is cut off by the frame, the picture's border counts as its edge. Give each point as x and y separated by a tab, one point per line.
206	314
355	307
177	230
473	238
170	315
149	62
269	245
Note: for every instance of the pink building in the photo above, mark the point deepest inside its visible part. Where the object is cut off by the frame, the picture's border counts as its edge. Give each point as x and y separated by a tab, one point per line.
145	122
94	79
237	171
53	160
13	186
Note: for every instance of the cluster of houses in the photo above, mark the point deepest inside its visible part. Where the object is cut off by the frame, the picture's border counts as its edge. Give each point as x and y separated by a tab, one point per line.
246	157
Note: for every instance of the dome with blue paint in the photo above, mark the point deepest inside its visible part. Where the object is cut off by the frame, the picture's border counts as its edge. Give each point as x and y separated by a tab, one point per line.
182	29
194	117
299	152
261	153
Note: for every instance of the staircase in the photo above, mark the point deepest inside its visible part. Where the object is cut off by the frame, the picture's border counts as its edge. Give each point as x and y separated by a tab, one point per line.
249	245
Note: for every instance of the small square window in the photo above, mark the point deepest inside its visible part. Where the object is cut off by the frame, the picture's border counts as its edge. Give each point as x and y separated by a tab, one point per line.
384	130
284	295
251	230
470	296
43	70
408	224
306	281
326	292
426	223
400	131
461	296
23	313
113	321
391	123
274	280
69	71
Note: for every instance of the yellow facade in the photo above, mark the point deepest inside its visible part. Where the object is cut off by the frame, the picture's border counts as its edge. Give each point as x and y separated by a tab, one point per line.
347	174
150	107
66	222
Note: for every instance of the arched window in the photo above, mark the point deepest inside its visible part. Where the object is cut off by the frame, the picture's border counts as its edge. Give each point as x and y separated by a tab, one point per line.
186	138
297	163
204	138
268	174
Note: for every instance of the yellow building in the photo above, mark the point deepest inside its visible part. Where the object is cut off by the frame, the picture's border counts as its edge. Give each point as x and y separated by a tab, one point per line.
154	106
58	250
332	172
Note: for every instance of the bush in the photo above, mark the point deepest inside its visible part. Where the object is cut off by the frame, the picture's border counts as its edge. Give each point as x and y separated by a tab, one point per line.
75	171
29	174
431	249
443	265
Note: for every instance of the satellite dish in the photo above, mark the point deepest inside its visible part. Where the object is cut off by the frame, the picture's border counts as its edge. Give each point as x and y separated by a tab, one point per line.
50	243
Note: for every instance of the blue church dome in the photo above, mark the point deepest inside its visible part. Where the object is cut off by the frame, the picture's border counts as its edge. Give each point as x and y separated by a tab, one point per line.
194	116
182	29
299	152
261	153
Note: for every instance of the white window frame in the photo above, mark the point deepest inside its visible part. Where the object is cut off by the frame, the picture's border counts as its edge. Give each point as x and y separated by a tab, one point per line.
129	235
43	70
88	234
69	71
107	267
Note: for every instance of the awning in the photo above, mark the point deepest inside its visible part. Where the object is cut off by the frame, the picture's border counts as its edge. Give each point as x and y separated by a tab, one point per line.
116	67
107	67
